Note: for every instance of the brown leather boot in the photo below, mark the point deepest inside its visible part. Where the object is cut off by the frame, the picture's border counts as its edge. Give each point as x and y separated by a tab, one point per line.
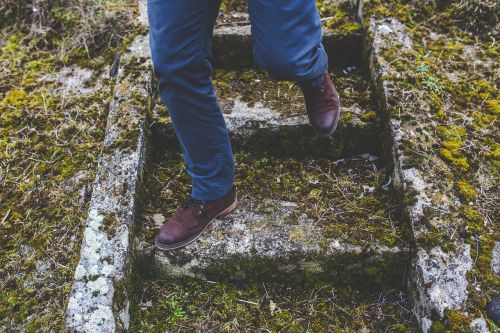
188	223
323	107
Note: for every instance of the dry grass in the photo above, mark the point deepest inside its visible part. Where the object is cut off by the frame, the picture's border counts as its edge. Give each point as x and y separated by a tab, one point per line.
90	26
479	15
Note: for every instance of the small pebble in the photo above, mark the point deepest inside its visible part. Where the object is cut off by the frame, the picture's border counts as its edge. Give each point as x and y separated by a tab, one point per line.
158	219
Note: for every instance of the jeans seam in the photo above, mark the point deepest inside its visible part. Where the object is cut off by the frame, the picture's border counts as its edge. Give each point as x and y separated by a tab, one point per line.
201	58
204	33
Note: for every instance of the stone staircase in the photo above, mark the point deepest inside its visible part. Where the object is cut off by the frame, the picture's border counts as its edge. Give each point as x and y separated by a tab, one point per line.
312	211
307	204
232	42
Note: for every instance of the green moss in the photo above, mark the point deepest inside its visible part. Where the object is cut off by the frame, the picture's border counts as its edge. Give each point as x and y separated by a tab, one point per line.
437	327
458	320
493	106
44	141
369	116
224	307
467	191
454	321
109	224
234	5
340	22
15	98
454	68
454	158
451	144
475	221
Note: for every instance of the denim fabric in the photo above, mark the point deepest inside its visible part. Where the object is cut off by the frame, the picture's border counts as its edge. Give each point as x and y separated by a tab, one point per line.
287	44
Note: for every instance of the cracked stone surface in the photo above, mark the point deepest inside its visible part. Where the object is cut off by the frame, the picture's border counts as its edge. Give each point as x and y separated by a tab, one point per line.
495	261
479	325
72	81
244	119
441	278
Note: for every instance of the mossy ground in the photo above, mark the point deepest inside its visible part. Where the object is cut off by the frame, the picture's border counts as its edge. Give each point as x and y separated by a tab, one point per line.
49	146
448	88
255	86
196	306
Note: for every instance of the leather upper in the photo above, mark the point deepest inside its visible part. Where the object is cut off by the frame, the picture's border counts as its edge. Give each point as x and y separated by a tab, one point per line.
323	106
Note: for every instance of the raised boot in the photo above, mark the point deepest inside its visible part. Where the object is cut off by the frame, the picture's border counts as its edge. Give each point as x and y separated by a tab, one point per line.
323	106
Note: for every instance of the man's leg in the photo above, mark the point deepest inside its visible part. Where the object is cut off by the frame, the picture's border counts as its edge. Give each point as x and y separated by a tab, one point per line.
287	39
287	43
180	40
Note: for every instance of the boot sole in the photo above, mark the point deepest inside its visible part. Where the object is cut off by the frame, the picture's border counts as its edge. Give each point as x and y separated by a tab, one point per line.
188	241
337	117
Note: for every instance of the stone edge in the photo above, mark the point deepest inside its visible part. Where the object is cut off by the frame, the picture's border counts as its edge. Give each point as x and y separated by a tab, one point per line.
99	297
438	279
280	247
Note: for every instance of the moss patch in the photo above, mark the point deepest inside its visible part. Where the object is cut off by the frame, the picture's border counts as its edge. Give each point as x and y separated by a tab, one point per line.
338	18
203	306
49	146
285	97
344	196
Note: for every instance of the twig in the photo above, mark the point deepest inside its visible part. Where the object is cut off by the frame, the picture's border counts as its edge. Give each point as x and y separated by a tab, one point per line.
248	302
5	217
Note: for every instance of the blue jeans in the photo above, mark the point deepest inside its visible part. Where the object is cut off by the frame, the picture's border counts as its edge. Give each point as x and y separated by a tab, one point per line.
286	43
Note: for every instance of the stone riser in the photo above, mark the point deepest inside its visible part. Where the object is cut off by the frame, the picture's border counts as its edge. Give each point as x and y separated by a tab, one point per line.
292	140
362	271
232	48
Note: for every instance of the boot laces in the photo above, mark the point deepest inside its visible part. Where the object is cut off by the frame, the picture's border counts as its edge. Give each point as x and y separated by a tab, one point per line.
322	88
197	205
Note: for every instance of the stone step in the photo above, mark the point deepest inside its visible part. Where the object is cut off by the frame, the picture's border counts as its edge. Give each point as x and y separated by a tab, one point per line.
342	36
232	47
315	219
259	110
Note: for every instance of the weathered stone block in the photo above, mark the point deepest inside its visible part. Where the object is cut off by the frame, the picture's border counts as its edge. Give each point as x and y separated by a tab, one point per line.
438	280
256	127
99	299
277	245
259	111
